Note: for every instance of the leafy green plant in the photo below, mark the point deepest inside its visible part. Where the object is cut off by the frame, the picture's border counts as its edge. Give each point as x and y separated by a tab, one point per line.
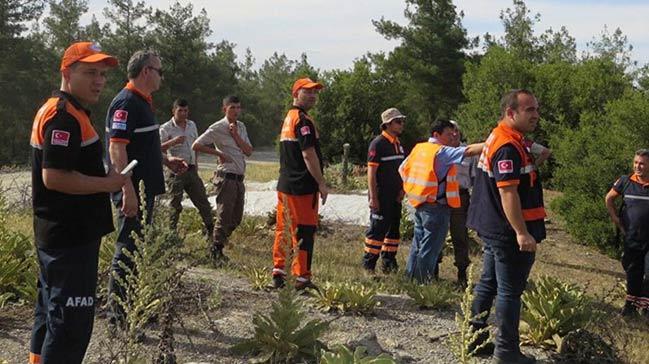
434	295
281	336
18	271
552	309
462	342
259	278
343	355
334	176
345	297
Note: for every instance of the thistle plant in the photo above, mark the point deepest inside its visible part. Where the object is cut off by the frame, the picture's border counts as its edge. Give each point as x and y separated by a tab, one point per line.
434	295
462	341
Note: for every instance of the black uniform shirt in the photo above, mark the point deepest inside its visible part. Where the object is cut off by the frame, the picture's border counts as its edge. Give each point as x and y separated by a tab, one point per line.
386	153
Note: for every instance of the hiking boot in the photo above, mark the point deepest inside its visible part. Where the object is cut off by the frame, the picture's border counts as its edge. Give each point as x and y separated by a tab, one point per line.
218	258
304	285
389	266
278	282
521	359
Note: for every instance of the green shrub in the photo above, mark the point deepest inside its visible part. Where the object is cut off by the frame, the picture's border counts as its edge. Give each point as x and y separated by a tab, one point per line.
407	225
345	297
281	336
342	355
435	295
552	309
19	268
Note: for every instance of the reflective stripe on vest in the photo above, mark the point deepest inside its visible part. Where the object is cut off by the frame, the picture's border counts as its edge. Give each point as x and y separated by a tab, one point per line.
420	182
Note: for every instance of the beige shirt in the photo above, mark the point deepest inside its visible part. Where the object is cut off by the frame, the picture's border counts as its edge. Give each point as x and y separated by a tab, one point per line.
170	130
218	134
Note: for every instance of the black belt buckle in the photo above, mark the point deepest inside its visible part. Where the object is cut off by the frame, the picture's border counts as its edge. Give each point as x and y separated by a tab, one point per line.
232	176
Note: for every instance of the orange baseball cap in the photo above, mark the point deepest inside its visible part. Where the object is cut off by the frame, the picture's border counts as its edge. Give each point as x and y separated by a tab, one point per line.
305	83
87	52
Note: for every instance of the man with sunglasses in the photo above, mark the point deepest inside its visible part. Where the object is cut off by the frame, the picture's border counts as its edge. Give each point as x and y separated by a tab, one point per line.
385	190
132	130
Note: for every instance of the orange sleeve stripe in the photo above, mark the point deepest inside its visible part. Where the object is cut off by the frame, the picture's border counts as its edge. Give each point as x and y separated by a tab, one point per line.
119	140
511	182
372	164
534	214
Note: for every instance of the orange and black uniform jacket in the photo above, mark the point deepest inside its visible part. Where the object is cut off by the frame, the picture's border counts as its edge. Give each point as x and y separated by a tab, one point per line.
505	161
386	153
635	213
63	138
131	120
298	133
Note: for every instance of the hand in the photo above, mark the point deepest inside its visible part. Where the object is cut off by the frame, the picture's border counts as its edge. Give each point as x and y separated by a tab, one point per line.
324	192
618	223
116	180
526	242
178	140
374	204
129	200
177	165
224	158
234	130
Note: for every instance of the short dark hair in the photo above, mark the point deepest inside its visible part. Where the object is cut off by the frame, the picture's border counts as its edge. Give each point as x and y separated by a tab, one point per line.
510	100
138	61
180	103
440	124
642	153
231	100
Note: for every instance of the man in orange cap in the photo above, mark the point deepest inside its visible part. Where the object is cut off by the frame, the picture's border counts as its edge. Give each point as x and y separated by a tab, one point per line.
70	192
301	183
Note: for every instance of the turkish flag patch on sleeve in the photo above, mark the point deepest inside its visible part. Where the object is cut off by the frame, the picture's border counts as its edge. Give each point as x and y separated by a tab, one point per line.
60	137
305	130
506	166
120	116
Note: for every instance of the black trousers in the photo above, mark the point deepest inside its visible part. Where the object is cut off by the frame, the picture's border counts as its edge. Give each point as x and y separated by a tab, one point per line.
382	236
65	309
636	265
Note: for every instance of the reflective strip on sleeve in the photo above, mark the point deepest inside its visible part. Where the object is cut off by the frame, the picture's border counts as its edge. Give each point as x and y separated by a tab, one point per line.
147	128
392	158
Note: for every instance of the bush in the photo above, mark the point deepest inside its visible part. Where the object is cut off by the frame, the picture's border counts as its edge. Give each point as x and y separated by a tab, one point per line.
19	268
552	309
282	336
355	180
342	355
407	224
259	278
345	297
436	295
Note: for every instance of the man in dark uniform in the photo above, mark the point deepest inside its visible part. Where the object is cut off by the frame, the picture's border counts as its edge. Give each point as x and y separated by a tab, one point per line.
385	189
632	222
301	183
132	130
70	192
507	213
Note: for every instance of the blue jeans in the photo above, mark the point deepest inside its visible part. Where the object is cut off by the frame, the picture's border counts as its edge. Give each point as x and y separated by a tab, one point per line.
504	276
431	226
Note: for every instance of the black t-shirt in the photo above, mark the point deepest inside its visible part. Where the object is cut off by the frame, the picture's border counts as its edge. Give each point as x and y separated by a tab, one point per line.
386	154
486	214
635	214
131	120
63	138
298	133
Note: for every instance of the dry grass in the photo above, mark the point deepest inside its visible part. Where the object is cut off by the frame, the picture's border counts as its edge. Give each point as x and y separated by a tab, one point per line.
255	172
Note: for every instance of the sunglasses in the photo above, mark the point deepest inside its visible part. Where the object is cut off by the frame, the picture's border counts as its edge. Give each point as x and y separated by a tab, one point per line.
399	121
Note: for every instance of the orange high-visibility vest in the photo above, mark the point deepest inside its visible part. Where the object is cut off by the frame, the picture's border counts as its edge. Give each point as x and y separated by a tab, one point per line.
420	182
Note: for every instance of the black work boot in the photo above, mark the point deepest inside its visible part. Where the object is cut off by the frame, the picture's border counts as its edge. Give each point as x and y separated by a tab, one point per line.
218	258
521	359
389	266
278	282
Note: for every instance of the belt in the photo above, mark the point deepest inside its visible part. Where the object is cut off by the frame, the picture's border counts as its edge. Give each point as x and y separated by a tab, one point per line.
232	176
